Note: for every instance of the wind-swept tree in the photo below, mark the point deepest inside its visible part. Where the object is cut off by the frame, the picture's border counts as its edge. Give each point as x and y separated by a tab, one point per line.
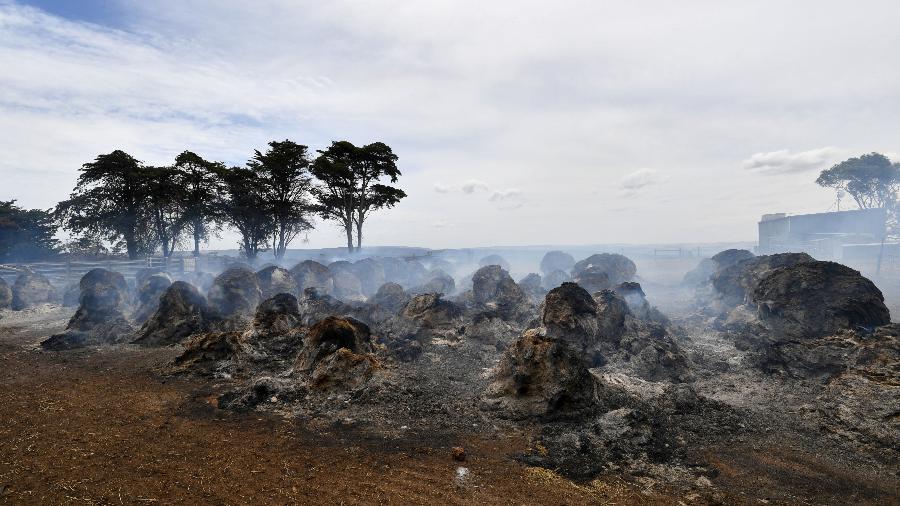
164	200
108	200
26	234
203	189
244	207
872	180
351	189
283	173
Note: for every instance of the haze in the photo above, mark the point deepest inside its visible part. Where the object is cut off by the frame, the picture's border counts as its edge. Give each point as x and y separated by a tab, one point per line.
516	123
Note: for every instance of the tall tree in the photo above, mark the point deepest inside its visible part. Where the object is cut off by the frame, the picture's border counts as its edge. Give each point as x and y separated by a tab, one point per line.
872	180
283	171
351	189
164	199
26	234
108	201
203	189
336	191
244	207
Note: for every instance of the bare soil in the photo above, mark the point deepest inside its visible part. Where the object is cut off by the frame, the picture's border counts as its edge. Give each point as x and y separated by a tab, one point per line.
108	426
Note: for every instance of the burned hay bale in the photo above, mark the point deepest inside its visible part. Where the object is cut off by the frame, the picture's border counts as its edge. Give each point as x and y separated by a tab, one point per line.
274	280
370	273
331	334
531	285
148	296
390	296
618	268
557	261
31	289
494	260
493	288
182	312
312	274
235	293
100	318
206	354
554	279
569	313
735	283
6	295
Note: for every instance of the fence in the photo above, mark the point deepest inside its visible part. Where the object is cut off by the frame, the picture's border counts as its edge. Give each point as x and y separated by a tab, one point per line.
64	273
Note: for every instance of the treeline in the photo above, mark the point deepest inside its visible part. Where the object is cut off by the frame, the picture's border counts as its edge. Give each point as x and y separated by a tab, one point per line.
269	202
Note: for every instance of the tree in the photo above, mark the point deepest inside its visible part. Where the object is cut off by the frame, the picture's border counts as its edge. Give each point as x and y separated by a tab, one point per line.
351	188
283	172
244	207
164	205
872	180
203	189
26	234
108	200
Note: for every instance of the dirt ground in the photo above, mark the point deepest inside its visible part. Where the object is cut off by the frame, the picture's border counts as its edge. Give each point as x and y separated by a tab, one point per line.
108	426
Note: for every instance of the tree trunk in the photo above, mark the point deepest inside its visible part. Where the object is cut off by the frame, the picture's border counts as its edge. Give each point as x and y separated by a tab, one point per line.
196	238
349	230
131	246
359	225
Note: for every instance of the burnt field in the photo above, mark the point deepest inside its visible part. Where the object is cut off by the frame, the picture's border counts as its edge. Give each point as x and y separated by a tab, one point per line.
749	380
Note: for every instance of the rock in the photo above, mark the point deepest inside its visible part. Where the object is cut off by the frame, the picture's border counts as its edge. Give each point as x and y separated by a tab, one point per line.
734	283
148	296
235	292
274	280
593	279
346	285
494	260
390	296
31	289
100	318
312	274
540	377
557	261
618	268
370	273
492	287
813	299
331	334
6	295
182	311
554	279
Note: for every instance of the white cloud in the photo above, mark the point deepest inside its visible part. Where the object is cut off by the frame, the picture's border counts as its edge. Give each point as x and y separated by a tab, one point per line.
631	183
784	161
474	185
506	195
440	188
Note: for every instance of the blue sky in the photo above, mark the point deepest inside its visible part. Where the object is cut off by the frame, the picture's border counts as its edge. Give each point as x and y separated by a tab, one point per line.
526	122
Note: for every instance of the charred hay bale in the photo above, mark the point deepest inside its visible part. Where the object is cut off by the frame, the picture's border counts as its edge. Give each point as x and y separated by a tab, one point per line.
203	281
557	261
312	274
494	260
431	311
235	292
540	377
31	289
182	311
370	273
554	279
346	285
618	268
439	283
276	315
390	296
569	313
612	312
6	294
492	287
100	318
812	299
274	280
637	302
405	272
734	284
315	307
148	296
72	295
531	284
700	274
729	257
342	370
142	274
206	353
593	279
490	328
331	334
649	352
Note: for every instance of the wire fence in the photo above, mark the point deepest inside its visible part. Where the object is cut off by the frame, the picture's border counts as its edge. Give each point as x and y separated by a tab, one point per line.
66	272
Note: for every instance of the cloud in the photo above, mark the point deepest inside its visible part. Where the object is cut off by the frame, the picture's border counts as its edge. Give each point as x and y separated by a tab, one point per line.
630	184
474	185
784	161
440	188
506	195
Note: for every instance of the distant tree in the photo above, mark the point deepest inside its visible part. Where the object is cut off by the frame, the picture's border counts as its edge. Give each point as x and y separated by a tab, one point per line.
872	180
283	172
26	234
203	189
244	207
164	205
350	188
108	201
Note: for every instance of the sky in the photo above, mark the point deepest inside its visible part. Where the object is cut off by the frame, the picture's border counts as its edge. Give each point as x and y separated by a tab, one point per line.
515	122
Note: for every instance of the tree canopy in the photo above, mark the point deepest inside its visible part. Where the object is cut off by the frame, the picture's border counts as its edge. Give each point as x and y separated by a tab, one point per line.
26	234
871	180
